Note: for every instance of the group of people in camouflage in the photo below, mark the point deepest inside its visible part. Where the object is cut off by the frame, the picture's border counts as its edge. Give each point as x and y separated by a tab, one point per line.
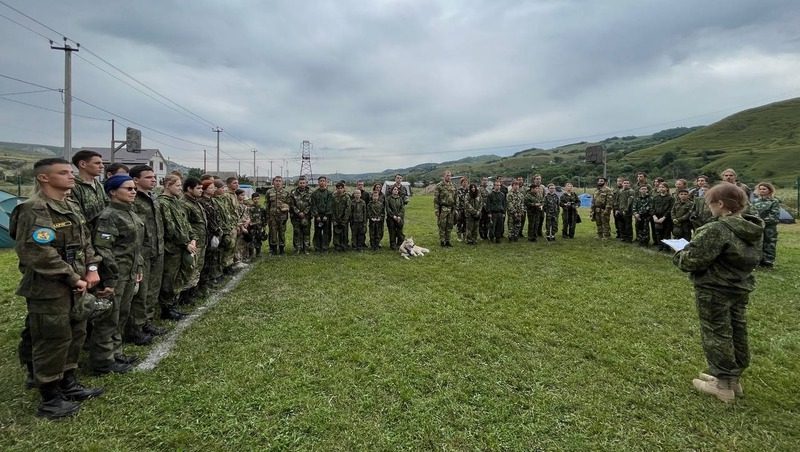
658	214
484	211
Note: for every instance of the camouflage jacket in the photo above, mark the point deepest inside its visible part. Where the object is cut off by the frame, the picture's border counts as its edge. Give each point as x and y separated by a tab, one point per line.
358	211
643	206
196	216
602	199
148	209
226	218
91	197
723	254
341	208
395	207
322	203
534	201
230	204
177	231
484	192
551	204
624	201
278	203
662	205
768	209
681	211
461	197
701	214
54	246
496	202
569	201
118	239
258	213
213	220
376	210
473	207
301	203
403	192
515	203
444	196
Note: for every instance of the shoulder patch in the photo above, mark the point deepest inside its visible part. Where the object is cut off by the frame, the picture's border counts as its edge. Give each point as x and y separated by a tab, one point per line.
44	236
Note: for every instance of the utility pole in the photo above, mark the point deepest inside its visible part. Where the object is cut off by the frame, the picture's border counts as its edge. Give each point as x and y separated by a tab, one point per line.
217	130
239	171
67	95
204	162
270	170
113	142
255	177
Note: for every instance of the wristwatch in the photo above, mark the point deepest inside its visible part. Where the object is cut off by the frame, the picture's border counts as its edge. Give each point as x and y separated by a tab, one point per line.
92	267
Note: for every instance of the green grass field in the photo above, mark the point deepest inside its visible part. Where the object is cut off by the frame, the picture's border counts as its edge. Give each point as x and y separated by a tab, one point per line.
574	345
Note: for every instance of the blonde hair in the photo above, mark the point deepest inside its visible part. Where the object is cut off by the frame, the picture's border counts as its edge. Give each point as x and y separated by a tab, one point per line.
769	186
171	179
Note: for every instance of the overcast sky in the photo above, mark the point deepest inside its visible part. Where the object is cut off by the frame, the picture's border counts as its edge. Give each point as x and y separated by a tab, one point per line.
389	84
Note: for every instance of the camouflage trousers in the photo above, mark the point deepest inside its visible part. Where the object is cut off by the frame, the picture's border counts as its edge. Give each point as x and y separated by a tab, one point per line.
106	339
662	231
375	233
228	247
55	339
170	284
551	225
770	242
277	230
190	274
535	221
514	226
473	224
723	329
682	230
143	305
301	234
358	233
603	220
444	221
340	236
643	231
461	221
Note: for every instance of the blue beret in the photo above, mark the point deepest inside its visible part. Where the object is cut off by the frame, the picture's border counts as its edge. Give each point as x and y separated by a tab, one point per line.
114	182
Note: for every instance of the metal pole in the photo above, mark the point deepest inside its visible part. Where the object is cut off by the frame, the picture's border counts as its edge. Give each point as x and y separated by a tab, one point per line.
67	95
255	179
270	170
113	142
204	162
217	130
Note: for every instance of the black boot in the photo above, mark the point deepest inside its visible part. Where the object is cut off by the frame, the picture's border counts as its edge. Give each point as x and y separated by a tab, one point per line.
170	313
30	380
72	390
273	250
282	250
53	405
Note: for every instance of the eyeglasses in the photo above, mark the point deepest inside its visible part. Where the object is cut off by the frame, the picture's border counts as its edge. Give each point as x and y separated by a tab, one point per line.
131	189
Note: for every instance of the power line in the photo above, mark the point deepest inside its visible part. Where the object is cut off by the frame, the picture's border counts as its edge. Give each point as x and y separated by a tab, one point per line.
50	109
27	82
32	19
18	93
26	27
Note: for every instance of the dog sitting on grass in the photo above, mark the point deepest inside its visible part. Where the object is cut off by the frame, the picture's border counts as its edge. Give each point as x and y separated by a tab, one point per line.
408	249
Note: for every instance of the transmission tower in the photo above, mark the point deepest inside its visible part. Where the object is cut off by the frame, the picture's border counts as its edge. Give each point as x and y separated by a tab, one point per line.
305	161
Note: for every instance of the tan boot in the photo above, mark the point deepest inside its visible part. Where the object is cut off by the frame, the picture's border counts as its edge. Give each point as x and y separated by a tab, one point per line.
720	389
736	385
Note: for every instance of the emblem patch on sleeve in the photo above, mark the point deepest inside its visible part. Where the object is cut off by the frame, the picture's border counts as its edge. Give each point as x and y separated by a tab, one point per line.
44	236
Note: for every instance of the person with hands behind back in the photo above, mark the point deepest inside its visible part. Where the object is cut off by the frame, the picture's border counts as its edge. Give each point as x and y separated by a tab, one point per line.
58	265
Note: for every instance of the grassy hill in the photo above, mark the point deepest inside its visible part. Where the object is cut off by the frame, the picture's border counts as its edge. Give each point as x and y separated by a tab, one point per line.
761	144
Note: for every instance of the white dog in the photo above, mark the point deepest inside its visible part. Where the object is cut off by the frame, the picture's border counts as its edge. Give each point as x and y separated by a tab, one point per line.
408	249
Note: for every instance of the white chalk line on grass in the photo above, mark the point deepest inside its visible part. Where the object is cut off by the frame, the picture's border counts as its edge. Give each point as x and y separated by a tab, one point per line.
165	346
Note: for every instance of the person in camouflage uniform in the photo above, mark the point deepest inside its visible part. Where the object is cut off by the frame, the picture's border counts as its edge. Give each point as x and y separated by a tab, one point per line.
118	239
623	211
444	203
496	206
58	264
569	203
615	212
662	204
550	209
278	202
601	209
537	182
461	199
720	260
340	218
700	213
196	214
141	327
211	273
226	222
358	219
523	190
769	210
395	218
398	182
473	209
483	225
301	216
534	204
376	211
642	211
322	212
230	238
180	244
515	210
258	219
243	230
88	192
681	210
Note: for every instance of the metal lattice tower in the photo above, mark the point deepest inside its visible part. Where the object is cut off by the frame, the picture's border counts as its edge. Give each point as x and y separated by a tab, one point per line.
305	161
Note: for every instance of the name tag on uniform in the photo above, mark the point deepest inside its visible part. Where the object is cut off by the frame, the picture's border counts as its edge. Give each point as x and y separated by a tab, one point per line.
62	225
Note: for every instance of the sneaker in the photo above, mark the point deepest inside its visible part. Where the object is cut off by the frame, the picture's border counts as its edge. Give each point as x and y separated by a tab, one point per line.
721	389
